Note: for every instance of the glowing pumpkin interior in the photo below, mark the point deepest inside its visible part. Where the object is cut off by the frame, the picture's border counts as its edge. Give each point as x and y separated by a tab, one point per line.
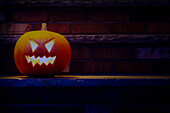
40	60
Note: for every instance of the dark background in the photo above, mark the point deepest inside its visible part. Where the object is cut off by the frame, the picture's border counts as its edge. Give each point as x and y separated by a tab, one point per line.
107	37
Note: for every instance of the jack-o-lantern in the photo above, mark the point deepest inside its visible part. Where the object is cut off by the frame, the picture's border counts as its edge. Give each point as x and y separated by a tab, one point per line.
42	53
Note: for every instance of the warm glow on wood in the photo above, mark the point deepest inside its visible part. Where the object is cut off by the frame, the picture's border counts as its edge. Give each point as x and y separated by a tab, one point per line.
113	77
92	77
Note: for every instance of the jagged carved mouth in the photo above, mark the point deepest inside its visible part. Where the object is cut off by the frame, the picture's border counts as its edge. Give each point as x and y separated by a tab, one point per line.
40	60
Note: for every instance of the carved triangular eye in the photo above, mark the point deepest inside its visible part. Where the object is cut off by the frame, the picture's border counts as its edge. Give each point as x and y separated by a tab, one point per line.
49	45
34	45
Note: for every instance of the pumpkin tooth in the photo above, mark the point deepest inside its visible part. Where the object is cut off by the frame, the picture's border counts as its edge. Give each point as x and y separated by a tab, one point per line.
40	60
52	60
27	57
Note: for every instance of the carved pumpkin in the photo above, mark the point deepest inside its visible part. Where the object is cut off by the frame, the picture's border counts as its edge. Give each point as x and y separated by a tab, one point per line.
42	53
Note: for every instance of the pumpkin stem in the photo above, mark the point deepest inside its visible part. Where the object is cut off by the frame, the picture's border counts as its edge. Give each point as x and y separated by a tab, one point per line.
44	27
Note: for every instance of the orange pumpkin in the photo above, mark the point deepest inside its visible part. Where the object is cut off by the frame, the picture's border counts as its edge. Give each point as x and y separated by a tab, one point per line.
42	53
